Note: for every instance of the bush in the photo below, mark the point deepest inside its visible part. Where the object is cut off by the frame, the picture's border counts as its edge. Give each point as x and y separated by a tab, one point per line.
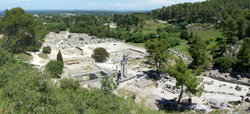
55	68
136	38
100	55
171	39
5	57
46	50
224	63
69	84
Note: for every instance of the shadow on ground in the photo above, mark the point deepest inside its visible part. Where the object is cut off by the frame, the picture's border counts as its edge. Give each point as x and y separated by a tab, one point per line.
170	105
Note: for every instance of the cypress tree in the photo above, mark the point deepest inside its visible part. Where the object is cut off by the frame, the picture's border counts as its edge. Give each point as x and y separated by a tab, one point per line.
59	56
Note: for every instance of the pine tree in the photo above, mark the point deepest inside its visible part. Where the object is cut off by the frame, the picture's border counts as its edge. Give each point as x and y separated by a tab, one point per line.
184	77
198	51
158	52
243	56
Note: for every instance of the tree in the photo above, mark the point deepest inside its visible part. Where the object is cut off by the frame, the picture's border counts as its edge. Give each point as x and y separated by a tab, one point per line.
198	51
243	57
100	55
184	77
158	52
241	27
108	84
59	57
184	35
224	62
19	28
55	68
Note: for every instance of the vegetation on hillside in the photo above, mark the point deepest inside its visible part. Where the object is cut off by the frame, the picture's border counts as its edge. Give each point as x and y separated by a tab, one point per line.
24	89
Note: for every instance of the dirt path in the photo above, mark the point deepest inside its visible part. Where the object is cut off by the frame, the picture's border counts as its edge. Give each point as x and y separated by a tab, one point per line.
38	60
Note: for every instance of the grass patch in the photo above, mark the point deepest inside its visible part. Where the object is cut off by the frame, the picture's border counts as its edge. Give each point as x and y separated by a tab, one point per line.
222	111
43	55
23	57
206	34
125	92
150	26
183	47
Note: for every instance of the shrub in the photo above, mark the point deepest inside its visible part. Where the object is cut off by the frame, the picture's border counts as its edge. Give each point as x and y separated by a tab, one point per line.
69	84
46	50
171	39
5	57
224	63
108	84
100	55
55	68
212	39
69	36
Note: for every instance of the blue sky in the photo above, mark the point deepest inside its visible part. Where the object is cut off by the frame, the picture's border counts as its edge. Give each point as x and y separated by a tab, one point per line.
89	4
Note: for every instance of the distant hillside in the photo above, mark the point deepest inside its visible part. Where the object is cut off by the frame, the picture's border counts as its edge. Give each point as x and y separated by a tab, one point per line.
207	11
81	12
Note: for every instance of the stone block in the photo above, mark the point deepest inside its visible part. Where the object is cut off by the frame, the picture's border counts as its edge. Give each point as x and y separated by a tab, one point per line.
238	88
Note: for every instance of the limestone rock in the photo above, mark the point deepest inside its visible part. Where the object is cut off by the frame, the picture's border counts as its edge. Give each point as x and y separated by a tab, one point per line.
238	88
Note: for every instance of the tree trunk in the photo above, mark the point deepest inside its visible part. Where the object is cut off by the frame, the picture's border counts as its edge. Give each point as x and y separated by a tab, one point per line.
180	96
8	43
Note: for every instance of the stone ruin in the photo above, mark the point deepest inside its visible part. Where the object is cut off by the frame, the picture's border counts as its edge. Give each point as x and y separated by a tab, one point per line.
124	66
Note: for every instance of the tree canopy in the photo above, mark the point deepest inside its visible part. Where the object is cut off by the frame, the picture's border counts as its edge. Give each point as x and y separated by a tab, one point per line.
158	52
100	55
21	31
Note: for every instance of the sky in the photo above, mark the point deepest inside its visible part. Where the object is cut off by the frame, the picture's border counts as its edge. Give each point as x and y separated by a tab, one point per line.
89	4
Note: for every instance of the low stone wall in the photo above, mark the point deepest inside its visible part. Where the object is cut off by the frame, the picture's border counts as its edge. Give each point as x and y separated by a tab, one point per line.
228	80
184	57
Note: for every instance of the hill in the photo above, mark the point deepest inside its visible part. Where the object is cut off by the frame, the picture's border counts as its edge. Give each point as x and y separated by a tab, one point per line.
207	11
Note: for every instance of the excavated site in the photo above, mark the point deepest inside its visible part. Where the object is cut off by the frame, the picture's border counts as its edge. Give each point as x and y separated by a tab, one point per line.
126	66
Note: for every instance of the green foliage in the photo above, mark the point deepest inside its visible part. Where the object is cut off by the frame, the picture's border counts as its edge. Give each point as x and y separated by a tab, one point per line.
24	89
198	51
59	57
5	57
243	57
169	29
207	11
56	27
100	55
108	84
184	77
55	68
21	31
46	49
158	52
69	84
224	62
170	38
136	38
184	35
